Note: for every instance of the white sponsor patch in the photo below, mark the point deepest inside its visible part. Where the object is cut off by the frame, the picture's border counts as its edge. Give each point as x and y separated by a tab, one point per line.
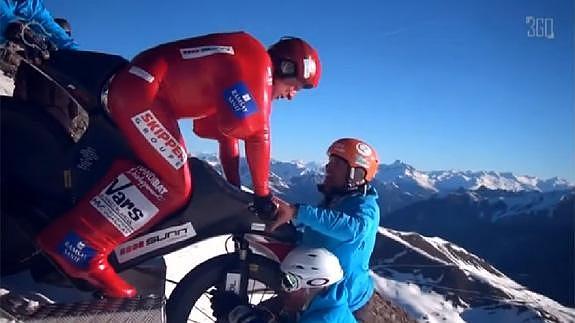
363	149
157	135
154	241
258	227
270	79
141	73
309	67
201	51
124	205
233	282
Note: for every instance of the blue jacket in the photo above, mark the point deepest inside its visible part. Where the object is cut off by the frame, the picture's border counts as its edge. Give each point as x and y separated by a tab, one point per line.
348	229
329	307
33	11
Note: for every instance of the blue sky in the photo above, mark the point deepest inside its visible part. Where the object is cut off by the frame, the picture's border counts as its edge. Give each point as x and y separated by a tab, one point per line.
436	84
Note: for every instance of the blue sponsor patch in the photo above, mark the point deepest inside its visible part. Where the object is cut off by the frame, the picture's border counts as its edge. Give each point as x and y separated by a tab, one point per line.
78	252
240	100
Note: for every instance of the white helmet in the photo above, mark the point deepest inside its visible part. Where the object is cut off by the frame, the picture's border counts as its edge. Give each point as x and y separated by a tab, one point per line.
310	268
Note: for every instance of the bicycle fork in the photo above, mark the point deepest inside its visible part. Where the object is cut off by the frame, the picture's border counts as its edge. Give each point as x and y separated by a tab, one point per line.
238	277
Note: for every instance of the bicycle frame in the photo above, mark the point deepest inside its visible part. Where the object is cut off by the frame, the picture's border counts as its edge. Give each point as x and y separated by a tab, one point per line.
200	220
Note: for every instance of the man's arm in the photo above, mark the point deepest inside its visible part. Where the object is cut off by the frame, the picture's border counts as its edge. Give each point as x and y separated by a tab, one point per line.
337	224
228	147
56	34
244	115
230	159
258	156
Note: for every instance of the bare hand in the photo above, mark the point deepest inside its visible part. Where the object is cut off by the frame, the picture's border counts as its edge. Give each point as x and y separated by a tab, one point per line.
285	213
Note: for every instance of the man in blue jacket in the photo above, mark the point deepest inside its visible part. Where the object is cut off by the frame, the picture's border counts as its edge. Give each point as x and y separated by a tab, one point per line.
346	221
15	13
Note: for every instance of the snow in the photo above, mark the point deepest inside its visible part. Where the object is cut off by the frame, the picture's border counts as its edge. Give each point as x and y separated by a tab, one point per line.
405	176
452	180
180	262
421	303
531	202
395	236
424	306
395	257
6	85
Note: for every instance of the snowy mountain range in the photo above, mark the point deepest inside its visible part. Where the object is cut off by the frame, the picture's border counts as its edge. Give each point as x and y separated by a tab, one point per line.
445	181
409	179
398	183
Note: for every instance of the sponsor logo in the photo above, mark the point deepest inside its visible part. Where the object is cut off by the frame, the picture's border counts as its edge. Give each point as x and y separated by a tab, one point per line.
76	251
162	141
141	73
363	149
317	282
87	157
258	227
124	205
240	100
309	67
149	181
201	51
154	241
233	282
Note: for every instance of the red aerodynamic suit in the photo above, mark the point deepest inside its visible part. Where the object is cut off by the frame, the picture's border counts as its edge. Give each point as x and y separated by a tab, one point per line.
224	83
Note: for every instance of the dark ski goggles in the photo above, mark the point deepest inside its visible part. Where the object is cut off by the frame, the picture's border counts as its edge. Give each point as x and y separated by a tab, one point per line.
290	282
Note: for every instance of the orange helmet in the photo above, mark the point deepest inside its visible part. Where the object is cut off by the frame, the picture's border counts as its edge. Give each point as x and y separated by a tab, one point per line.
357	154
294	57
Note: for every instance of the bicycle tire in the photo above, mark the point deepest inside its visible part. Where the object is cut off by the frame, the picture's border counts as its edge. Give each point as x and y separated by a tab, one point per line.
212	273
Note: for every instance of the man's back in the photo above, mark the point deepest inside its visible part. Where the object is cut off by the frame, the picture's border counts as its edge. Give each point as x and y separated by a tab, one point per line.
199	70
351	238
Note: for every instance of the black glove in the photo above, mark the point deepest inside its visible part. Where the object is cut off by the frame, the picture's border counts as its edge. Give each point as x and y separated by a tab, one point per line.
264	207
223	302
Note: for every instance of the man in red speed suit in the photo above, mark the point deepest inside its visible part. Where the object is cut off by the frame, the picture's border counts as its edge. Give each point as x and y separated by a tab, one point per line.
226	83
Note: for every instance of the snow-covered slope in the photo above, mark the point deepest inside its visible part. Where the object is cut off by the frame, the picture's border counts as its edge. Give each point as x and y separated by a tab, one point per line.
405	177
437	281
528	203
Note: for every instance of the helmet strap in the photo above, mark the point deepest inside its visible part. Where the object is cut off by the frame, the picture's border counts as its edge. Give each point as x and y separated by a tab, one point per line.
355	178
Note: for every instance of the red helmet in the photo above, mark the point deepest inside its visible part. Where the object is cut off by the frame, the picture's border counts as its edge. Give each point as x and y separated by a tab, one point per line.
357	154
293	57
